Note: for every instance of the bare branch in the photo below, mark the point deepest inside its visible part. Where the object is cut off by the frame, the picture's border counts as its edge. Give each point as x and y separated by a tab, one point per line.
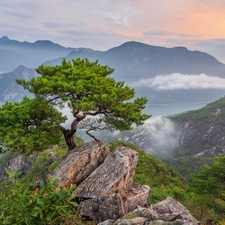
87	132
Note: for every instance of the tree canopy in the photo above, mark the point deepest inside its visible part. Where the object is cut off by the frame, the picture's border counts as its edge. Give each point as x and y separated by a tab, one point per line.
83	86
209	184
26	125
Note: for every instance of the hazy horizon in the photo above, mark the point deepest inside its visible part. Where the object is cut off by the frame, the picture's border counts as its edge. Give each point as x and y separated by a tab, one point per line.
102	25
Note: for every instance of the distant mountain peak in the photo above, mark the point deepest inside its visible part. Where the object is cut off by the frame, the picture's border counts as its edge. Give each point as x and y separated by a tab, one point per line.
4	38
134	44
43	41
20	69
180	48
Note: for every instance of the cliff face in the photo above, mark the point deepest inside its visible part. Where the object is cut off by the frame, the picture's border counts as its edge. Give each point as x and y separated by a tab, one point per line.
14	162
35	165
199	138
202	131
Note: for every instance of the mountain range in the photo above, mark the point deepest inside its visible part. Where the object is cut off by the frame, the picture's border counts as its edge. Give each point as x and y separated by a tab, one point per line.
14	53
138	64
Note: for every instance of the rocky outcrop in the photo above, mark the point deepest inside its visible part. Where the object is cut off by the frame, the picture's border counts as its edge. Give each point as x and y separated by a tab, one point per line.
106	190
104	180
114	206
16	163
167	212
115	175
110	190
80	162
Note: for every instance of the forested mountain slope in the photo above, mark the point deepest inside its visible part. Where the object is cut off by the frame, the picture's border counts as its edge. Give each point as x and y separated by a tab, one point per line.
198	132
202	131
9	89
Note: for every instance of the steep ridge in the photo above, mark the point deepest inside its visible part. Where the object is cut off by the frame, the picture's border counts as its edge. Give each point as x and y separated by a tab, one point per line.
202	131
194	133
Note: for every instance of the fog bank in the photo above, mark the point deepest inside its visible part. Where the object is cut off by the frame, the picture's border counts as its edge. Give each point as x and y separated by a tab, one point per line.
177	81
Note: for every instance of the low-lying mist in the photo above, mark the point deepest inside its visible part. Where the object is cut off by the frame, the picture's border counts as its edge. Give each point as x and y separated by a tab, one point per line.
161	136
158	136
177	81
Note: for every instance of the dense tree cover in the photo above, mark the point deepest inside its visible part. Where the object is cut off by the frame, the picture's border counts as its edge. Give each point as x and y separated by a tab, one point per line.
83	86
188	165
31	124
209	185
213	112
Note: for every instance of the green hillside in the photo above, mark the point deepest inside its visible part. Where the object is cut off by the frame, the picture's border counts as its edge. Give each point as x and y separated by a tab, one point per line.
213	112
187	165
162	179
202	131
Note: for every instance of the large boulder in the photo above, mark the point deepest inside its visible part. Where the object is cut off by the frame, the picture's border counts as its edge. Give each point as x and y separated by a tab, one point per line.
114	175
109	190
102	208
80	162
114	206
166	212
106	190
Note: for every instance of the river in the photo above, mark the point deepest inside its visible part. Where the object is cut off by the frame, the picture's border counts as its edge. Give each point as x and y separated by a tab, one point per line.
171	109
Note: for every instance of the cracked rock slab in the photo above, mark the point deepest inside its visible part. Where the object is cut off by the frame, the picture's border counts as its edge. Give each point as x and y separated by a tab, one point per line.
114	175
80	162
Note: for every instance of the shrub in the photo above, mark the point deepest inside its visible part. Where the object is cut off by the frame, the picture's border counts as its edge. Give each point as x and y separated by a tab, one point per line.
21	203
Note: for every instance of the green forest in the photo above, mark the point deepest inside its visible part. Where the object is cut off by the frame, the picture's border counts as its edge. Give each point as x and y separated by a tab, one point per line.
32	128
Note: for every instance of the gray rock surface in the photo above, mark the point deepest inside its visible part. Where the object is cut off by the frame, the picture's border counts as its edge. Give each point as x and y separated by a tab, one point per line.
102	208
16	163
137	196
107	222
115	175
109	190
166	212
80	162
106	190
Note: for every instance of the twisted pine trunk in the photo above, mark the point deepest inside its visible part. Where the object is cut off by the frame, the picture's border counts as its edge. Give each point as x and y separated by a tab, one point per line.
69	138
69	134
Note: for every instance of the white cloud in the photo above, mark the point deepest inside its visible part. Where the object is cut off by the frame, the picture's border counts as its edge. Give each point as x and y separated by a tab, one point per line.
161	132
182	81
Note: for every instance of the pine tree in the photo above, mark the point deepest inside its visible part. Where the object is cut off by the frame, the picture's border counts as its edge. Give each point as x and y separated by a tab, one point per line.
83	86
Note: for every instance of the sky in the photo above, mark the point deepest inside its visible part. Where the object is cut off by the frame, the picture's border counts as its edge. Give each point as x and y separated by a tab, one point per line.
104	24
